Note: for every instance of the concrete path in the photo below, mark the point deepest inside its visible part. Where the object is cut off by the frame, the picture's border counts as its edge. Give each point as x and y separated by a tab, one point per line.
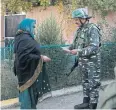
60	102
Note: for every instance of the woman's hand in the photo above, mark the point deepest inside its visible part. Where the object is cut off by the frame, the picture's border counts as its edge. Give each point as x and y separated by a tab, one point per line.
45	58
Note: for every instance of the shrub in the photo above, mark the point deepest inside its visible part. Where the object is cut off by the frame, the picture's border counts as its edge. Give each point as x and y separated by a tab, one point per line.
49	32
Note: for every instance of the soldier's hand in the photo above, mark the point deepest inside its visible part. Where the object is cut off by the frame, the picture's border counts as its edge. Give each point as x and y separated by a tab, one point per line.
66	50
74	51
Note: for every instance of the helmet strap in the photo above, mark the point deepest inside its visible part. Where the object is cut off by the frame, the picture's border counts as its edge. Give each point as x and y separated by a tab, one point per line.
82	22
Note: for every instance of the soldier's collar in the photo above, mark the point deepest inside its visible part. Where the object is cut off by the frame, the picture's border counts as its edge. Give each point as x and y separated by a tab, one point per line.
86	24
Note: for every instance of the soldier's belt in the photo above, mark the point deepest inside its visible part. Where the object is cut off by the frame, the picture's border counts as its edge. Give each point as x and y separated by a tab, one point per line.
33	78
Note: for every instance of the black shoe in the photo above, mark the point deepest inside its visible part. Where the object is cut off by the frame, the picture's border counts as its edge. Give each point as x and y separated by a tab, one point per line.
84	105
86	99
93	105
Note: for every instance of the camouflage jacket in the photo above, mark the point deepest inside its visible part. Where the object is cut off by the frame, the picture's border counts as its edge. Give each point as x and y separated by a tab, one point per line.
87	40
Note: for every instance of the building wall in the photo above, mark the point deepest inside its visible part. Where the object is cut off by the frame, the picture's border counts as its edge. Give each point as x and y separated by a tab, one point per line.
110	23
68	26
40	15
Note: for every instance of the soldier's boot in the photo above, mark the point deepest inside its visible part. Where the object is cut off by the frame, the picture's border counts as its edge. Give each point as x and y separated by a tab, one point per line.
93	105
84	105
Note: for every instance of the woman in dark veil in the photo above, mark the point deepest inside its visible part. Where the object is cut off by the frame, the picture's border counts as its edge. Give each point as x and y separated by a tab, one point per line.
29	66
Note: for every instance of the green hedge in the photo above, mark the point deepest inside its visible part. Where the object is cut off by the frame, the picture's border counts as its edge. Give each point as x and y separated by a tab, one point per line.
108	60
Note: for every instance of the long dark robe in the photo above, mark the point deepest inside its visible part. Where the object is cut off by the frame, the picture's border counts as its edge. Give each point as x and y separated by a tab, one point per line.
27	56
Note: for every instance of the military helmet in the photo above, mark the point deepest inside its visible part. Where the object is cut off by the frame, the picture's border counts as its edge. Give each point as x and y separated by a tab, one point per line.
80	13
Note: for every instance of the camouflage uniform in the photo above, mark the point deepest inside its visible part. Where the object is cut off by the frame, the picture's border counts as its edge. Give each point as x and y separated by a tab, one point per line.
87	41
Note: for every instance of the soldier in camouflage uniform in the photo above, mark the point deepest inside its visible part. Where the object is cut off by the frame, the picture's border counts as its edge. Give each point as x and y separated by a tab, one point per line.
86	46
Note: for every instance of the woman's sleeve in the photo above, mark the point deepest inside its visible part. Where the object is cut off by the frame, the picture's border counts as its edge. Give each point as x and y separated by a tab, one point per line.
28	49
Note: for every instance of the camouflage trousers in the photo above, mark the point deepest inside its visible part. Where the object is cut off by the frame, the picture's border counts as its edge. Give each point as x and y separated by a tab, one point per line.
90	69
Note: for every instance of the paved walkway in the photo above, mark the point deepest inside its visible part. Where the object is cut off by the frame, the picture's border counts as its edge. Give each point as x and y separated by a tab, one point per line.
60	102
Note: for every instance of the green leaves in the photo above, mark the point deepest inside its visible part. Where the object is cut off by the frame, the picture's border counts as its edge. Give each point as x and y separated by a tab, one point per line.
15	6
49	32
101	6
44	2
